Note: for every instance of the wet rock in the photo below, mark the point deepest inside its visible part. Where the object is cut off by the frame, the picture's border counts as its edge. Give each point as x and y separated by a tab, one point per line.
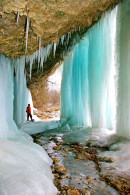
85	182
59	147
111	159
55	160
82	178
58	143
53	170
121	183
68	177
89	144
83	155
63	192
105	159
101	159
66	155
66	150
56	182
60	169
56	175
63	177
72	192
77	178
85	192
55	147
89	178
66	188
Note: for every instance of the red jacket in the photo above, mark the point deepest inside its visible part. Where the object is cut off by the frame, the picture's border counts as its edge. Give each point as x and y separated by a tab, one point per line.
29	110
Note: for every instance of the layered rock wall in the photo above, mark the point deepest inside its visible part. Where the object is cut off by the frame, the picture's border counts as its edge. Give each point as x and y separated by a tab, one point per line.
48	20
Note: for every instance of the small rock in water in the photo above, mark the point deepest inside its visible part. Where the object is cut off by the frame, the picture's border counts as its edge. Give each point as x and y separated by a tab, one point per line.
56	160
63	192
56	175
77	178
55	147
89	177
111	159
83	155
69	177
85	192
85	182
62	177
89	144
82	178
72	192
53	170
60	169
66	155
66	150
59	147
58	143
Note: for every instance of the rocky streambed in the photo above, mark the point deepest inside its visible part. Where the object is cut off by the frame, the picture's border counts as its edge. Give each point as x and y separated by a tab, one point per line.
77	167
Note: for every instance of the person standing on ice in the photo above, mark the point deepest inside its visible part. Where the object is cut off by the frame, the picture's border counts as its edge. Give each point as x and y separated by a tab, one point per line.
28	110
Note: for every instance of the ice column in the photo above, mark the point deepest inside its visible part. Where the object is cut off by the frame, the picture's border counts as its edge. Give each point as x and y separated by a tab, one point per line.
123	47
88	85
19	90
7	125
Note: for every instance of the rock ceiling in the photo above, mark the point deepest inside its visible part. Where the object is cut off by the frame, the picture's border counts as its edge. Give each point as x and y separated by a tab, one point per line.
48	20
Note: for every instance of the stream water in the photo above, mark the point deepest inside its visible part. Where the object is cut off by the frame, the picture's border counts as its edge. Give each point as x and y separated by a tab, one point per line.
82	173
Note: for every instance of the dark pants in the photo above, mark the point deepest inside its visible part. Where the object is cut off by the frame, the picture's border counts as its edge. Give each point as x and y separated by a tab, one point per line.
29	115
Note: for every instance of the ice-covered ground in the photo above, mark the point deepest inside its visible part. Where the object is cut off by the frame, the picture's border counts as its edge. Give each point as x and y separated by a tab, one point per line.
117	147
107	145
24	168
38	127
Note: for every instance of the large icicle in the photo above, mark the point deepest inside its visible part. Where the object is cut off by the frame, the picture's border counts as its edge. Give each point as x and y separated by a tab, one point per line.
19	90
7	125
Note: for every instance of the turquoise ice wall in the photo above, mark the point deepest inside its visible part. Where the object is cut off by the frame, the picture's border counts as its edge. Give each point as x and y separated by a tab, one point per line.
12	95
88	85
96	76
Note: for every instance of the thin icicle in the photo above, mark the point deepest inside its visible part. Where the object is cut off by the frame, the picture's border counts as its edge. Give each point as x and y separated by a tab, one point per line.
62	39
17	16
27	30
54	49
39	55
39	43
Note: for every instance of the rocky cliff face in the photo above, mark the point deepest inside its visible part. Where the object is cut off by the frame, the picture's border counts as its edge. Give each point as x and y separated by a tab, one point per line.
48	20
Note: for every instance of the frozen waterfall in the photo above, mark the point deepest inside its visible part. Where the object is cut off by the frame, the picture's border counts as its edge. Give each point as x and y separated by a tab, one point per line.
88	85
95	84
24	166
8	127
